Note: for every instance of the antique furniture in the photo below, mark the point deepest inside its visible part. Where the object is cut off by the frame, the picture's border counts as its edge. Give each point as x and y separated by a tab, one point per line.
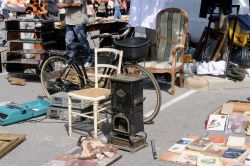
171	30
28	39
96	94
127	113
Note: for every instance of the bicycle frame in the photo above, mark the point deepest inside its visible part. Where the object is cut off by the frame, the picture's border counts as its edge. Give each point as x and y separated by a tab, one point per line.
84	80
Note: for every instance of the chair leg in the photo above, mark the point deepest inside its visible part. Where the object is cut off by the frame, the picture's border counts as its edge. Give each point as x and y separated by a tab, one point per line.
69	115
172	83
181	78
95	109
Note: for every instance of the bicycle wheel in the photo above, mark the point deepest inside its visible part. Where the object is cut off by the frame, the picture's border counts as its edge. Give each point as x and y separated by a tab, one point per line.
58	75
151	91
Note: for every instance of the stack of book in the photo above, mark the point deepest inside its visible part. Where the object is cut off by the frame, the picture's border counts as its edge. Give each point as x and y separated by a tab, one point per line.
208	151
231	117
227	123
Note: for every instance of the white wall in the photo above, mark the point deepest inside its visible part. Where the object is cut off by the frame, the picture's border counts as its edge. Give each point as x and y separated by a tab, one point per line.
143	13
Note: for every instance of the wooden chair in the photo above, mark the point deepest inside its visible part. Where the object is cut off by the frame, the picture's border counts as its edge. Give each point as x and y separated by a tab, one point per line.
171	30
96	94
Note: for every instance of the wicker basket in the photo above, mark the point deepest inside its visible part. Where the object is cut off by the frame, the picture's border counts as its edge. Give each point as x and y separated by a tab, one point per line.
133	48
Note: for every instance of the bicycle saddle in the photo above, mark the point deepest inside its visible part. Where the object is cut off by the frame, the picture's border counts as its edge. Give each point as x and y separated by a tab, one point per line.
75	46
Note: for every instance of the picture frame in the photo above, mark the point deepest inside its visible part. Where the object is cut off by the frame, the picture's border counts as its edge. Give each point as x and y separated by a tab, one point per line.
209	45
9	141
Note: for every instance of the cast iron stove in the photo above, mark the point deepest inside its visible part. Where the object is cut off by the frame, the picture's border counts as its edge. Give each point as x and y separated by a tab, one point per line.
127	113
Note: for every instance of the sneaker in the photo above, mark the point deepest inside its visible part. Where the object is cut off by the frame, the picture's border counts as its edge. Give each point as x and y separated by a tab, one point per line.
87	64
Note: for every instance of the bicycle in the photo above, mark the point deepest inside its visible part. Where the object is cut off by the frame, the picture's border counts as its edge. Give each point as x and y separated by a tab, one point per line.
62	73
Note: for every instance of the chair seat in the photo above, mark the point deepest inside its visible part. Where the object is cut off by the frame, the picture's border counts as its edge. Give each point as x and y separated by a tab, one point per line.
161	65
92	94
99	97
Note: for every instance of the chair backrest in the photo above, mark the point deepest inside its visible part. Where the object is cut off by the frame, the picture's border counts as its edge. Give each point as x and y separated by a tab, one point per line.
100	64
171	30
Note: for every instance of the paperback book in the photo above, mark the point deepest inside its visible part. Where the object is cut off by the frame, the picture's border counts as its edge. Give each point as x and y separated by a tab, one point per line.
234	155
218	140
247	160
200	144
235	124
236	142
203	160
188	157
215	150
234	164
216	122
180	145
169	156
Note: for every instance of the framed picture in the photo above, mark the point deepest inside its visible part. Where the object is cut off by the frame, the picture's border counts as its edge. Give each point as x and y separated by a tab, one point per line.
210	45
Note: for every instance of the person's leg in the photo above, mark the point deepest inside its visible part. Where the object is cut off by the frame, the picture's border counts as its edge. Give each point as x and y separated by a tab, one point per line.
117	14
69	38
81	34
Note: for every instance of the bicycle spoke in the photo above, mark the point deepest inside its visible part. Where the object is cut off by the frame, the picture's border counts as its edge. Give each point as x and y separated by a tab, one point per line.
151	91
59	75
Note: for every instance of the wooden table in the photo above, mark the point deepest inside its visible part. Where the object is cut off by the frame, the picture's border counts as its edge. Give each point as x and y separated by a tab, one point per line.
104	25
2	49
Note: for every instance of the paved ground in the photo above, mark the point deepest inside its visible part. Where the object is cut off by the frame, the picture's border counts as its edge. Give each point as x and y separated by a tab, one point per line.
181	114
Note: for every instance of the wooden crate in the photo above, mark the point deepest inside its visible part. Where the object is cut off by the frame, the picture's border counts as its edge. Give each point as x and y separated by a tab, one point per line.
9	141
239	108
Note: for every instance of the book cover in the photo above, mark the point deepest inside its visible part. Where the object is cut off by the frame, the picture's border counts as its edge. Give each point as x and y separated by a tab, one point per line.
218	140
203	160
232	153
180	145
235	124
247	160
188	157
200	144
236	142
215	150
185	141
234	164
177	148
216	122
169	156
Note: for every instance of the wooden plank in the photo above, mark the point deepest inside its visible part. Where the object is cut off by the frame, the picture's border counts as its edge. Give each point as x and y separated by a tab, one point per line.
23	61
239	107
31	41
2	49
9	141
29	51
6	147
24	30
